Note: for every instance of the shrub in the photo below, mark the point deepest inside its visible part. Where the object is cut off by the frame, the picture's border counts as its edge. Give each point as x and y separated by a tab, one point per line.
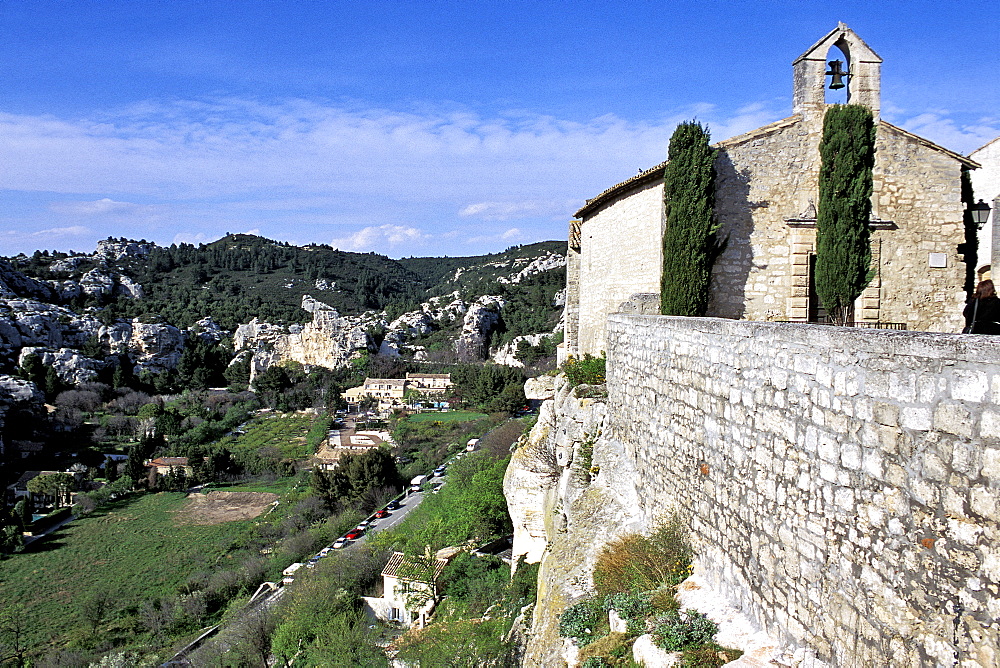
675	631
611	651
589	371
579	622
708	655
641	563
629	605
595	662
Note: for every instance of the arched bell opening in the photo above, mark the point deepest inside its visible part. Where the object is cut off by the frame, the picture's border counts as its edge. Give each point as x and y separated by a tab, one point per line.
837	85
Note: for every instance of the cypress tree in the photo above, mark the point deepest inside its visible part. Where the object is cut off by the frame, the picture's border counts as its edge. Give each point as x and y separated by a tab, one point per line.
689	237
843	250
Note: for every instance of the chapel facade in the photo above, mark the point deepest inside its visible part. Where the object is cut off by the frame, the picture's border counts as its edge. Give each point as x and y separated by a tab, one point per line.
766	194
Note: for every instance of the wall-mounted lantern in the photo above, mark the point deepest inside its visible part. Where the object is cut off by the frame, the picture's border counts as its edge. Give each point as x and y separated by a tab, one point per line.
980	213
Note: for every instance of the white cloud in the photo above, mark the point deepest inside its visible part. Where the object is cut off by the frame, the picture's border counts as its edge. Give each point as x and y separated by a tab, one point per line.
509	210
53	237
240	149
946	131
195	238
101	207
301	168
378	238
512	234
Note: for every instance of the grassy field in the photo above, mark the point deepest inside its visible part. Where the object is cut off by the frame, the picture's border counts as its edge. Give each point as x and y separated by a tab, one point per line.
274	438
450	416
136	550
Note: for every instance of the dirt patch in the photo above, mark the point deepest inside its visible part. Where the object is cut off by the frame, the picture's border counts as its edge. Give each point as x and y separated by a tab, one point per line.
219	507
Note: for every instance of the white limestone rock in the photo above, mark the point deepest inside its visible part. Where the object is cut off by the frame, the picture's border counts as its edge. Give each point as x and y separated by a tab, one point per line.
129	288
70	365
206	330
480	320
13	389
116	249
646	653
536	266
330	340
540	388
97	283
155	346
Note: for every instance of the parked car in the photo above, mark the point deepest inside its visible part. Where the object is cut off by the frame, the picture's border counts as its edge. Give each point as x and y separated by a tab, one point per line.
382	513
363	525
392	505
341	542
325	551
354	535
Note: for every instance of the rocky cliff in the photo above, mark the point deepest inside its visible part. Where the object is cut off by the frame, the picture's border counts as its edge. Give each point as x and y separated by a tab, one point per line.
332	340
565	492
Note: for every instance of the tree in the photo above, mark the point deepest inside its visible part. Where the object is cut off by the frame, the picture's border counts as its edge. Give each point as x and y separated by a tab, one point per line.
843	250
689	244
56	485
14	628
95	608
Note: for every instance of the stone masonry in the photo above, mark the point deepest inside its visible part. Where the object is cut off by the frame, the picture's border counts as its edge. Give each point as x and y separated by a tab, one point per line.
842	486
766	193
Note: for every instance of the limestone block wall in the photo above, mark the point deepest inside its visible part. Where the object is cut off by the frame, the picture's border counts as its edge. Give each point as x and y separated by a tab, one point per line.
919	189
763	178
843	486
620	255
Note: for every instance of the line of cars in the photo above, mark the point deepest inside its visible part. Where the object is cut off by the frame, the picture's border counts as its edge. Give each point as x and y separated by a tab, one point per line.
364	526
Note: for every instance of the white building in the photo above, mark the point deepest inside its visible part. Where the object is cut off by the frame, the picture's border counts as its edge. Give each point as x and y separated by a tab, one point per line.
986	187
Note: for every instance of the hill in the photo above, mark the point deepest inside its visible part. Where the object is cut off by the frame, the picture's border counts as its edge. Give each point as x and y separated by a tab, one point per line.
241	277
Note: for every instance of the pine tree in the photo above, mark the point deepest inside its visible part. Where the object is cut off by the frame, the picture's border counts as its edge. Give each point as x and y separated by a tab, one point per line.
843	250
689	238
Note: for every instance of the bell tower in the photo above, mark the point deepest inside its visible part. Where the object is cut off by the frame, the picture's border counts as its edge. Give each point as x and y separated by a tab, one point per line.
861	74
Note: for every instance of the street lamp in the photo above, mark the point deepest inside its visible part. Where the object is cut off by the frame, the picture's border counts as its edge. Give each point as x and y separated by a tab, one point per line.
980	212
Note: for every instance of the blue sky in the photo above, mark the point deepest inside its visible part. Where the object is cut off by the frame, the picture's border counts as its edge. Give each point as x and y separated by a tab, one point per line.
416	128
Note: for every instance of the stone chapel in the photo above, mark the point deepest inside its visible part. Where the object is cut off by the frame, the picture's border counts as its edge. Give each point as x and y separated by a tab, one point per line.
766	189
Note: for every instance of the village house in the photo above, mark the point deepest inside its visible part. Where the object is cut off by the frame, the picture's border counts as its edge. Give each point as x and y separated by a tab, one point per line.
163	465
390	392
342	443
986	187
766	194
19	490
409	587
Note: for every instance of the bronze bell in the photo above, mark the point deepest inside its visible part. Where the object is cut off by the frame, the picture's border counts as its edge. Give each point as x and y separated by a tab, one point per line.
838	74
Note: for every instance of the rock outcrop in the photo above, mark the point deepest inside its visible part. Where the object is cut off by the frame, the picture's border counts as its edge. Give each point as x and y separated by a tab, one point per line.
480	320
70	365
329	341
14	284
506	354
571	488
155	347
536	266
116	249
28	322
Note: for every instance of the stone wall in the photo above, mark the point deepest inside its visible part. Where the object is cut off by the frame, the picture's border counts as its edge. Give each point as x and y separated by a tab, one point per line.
843	486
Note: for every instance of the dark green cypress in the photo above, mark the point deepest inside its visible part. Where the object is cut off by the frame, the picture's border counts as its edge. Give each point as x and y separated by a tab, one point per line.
843	249
688	200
